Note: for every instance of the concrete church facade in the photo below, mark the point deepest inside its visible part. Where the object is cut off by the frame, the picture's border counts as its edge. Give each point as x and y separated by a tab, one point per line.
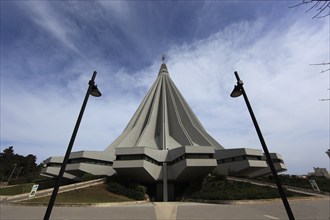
164	143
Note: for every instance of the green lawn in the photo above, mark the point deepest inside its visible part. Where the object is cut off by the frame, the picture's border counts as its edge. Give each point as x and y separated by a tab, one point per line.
219	188
17	189
93	194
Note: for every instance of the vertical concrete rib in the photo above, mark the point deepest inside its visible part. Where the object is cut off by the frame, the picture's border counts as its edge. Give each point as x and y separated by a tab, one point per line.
164	120
177	114
164	114
147	135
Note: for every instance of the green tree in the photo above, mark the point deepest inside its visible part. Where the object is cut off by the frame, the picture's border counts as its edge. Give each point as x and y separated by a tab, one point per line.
25	170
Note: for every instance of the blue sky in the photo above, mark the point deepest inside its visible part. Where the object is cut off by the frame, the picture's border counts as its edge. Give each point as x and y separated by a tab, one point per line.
49	50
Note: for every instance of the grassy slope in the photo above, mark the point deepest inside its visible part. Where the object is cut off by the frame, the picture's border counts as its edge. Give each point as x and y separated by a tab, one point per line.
215	188
17	189
93	194
323	183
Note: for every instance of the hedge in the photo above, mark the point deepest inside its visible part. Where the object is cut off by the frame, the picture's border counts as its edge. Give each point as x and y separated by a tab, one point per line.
133	191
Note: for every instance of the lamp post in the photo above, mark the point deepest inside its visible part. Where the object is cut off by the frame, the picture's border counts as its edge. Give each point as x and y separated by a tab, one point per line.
12	172
19	172
92	90
239	90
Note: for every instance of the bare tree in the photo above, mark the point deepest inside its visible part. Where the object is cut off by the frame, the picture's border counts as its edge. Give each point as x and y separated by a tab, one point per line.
323	71
322	7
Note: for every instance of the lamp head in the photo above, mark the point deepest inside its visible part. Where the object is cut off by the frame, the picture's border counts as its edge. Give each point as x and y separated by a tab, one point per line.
237	91
95	91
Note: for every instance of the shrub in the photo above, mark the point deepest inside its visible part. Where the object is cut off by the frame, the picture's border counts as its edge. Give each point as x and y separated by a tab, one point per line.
88	176
45	184
134	190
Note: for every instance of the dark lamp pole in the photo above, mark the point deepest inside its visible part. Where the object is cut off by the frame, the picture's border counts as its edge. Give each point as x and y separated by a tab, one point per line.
12	172
239	90
19	172
92	90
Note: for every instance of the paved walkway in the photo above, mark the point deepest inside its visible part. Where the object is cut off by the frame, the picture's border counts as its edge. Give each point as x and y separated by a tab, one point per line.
317	209
312	208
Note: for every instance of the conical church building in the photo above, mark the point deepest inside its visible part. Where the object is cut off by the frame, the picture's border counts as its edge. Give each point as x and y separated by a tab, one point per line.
164	131
164	144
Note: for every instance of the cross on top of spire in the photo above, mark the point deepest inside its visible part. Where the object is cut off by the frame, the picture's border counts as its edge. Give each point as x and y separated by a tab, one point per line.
163	68
163	58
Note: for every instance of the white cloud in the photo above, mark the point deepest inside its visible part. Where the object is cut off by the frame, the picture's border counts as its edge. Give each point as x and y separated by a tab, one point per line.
283	88
45	16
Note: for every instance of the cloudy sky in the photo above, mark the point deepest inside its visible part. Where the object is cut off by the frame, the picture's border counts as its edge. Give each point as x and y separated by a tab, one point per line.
49	51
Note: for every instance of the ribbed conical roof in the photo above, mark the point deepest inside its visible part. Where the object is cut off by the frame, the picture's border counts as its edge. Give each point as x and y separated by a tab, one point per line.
164	120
